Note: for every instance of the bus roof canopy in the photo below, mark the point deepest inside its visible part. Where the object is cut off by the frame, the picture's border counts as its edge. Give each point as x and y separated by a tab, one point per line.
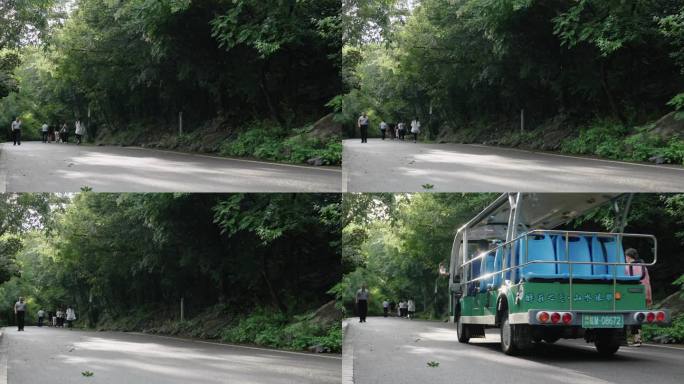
538	210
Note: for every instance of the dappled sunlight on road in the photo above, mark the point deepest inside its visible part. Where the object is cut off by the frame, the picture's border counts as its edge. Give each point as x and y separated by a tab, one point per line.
59	355
400	167
68	168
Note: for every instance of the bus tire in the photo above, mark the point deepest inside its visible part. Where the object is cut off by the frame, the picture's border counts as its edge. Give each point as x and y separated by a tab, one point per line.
508	338
607	343
551	339
462	330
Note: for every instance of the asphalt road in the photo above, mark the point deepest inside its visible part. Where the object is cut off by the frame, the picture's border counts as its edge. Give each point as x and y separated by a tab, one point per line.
396	351
394	166
38	167
61	356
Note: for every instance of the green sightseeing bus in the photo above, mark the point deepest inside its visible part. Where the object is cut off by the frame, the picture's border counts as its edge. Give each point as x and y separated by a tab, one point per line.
513	268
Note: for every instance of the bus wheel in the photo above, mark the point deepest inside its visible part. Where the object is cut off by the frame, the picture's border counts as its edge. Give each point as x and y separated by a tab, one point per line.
551	339
462	330
508	341
607	343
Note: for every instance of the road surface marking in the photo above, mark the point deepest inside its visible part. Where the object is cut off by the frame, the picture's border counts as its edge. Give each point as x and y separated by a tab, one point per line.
579	158
336	170
3	359
237	346
347	355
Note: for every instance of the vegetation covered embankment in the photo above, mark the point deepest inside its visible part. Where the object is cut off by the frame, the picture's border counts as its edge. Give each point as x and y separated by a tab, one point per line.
588	77
133	70
250	268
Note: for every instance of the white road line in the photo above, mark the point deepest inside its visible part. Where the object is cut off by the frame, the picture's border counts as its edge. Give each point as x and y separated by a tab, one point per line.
336	170
347	355
577	157
3	359
237	346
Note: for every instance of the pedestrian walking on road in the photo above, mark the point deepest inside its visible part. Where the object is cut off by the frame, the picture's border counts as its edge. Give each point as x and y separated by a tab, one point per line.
80	132
20	313
383	129
402	308
41	317
44	131
385	307
415	129
363	127
16	131
362	296
632	256
411	308
60	318
401	131
70	317
65	133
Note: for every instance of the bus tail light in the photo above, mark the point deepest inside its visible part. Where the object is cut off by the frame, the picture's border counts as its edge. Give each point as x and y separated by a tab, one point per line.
660	316
567	318
555	317
543	317
650	317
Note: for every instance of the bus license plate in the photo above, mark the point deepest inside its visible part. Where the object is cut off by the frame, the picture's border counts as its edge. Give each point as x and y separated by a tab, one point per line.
602	321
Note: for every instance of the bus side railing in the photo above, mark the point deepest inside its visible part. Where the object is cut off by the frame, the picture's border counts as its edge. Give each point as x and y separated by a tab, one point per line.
512	244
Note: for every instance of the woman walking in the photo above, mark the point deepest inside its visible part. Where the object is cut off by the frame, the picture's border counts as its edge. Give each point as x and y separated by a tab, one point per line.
415	129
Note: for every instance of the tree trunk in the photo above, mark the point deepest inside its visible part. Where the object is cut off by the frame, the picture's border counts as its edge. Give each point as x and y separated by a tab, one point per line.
274	295
609	94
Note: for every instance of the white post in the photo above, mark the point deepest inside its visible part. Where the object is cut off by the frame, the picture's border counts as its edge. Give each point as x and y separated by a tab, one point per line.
180	123
522	121
182	305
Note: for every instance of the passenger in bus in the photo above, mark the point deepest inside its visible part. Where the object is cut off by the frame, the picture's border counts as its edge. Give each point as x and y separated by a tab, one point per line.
362	296
632	256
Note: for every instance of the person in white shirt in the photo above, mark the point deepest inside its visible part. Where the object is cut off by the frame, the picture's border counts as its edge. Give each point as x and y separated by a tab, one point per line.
41	317
20	313
415	129
385	307
411	307
363	127
401	130
16	131
383	129
80	132
70	316
44	131
402	308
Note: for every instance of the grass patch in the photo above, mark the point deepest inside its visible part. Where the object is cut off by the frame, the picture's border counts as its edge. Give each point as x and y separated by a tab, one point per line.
671	334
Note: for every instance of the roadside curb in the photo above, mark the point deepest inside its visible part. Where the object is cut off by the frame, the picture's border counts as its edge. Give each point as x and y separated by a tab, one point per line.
3	358
347	355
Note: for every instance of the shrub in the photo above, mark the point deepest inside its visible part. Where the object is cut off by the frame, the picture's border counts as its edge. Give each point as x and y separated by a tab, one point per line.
674	333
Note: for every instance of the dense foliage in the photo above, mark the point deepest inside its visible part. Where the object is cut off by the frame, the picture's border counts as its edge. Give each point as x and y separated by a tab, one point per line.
475	64
116	256
135	65
395	243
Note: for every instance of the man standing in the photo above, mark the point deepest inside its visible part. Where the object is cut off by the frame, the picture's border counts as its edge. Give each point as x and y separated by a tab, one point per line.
20	313
385	308
41	317
363	127
44	131
16	131
632	256
362	296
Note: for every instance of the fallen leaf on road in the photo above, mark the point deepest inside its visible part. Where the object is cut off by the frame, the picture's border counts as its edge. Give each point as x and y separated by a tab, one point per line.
87	373
433	364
